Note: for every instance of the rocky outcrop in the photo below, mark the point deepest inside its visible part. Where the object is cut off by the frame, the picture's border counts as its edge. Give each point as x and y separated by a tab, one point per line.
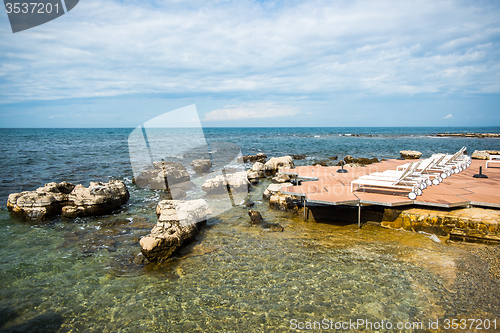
253	177
178	222
201	166
281	178
356	162
471	135
69	200
410	154
481	155
465	224
259	168
279	200
161	174
298	156
276	163
260	157
235	181
271	190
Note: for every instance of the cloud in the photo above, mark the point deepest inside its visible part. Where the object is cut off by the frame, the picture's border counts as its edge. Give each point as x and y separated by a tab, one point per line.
448	116
250	111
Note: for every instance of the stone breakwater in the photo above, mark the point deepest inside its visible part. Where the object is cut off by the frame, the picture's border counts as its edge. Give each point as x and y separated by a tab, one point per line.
470	135
69	200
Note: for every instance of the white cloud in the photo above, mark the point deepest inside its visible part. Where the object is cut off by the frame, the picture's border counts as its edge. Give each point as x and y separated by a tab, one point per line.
250	111
448	116
321	48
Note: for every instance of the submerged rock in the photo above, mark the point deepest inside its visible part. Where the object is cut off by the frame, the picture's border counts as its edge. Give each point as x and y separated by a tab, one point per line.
178	222
202	165
298	156
255	216
69	200
410	154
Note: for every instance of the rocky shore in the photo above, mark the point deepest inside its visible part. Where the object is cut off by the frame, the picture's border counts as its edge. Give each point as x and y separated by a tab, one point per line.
470	135
69	200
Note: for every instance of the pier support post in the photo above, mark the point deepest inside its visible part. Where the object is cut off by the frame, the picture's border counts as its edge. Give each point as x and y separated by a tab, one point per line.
305	208
359	215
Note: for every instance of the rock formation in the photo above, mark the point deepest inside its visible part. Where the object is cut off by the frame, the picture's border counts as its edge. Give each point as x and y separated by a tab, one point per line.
255	216
357	162
161	174
280	200
253	177
259	168
178	222
202	165
260	157
484	154
69	200
410	154
276	163
235	181
471	135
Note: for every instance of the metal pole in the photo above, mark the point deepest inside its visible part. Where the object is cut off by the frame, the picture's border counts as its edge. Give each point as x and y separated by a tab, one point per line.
359	215
304	208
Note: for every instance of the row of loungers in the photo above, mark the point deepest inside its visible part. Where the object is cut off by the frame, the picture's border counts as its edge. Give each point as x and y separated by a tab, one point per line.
418	175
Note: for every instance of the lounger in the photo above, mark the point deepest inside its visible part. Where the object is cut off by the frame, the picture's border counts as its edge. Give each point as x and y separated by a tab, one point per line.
400	182
493	159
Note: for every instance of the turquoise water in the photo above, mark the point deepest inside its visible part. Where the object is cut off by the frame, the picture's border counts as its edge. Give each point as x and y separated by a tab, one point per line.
80	276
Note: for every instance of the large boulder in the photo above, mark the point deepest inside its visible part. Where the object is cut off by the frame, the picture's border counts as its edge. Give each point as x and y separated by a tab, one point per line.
480	155
161	174
259	168
202	165
253	177
357	162
68	200
178	222
276	163
97	199
410	154
281	178
237	181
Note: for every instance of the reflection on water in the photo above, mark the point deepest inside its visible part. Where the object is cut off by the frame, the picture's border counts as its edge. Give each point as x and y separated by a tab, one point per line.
232	277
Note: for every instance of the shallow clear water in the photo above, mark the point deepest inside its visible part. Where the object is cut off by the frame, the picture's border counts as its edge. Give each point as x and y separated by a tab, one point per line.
79	275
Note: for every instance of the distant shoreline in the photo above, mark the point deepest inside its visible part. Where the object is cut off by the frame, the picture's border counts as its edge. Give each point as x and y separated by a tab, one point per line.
471	135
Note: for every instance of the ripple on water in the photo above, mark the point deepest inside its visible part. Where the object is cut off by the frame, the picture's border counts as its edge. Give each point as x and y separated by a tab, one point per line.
232	277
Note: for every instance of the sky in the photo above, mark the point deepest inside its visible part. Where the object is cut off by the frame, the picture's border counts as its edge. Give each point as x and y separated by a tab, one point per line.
256	63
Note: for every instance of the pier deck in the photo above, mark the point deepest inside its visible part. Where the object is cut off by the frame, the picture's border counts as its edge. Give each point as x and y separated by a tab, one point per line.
324	185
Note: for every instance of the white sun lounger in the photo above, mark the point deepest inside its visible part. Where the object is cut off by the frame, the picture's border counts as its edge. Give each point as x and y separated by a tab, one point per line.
401	182
493	159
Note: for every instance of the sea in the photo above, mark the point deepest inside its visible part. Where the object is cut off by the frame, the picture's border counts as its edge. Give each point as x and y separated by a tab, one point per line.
82	275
